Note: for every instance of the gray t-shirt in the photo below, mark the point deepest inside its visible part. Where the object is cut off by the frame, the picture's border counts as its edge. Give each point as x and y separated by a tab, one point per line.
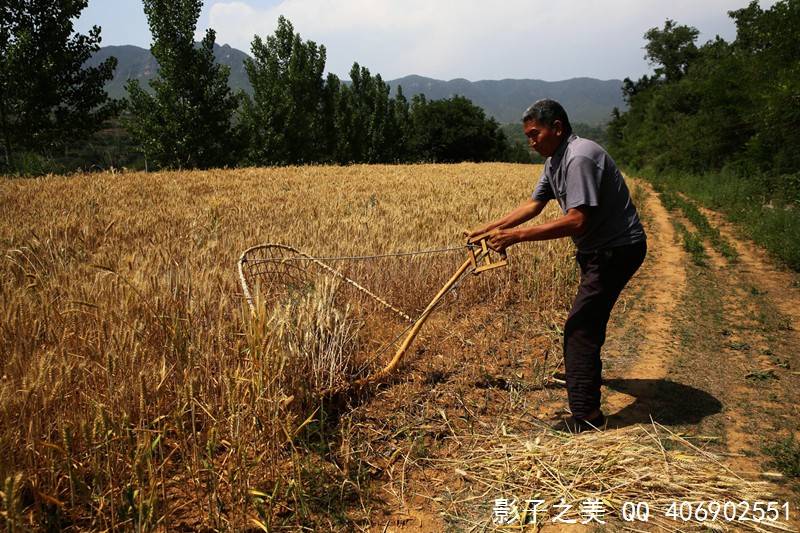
582	173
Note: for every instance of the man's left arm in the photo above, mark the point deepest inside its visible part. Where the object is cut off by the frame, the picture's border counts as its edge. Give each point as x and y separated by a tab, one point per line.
582	194
573	224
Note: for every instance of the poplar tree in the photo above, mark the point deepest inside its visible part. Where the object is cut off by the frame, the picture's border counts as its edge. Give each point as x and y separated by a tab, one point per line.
188	121
284	118
47	98
368	118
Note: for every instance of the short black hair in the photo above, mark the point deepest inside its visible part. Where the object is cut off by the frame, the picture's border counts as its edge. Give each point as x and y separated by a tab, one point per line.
547	112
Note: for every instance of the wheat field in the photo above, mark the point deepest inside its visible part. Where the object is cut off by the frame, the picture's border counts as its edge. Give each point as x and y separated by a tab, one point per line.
139	392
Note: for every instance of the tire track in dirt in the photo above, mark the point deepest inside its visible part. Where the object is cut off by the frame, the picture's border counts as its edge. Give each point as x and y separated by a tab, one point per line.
736	344
782	287
661	282
759	410
739	332
736	348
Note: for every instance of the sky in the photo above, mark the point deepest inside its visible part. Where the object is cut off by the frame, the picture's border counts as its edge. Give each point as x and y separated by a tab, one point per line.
445	39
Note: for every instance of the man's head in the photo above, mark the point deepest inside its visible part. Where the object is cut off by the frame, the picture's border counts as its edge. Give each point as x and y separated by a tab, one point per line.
546	125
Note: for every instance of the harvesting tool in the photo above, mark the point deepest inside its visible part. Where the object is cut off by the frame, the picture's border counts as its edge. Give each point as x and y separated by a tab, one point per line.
481	255
269	266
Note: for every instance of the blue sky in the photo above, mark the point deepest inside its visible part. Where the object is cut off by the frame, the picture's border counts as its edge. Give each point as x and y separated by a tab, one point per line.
445	39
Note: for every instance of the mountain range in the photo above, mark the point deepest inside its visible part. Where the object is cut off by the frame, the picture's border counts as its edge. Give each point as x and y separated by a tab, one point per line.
587	100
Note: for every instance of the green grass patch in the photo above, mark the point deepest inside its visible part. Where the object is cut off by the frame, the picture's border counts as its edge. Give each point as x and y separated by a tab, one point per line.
765	208
785	456
674	202
718	242
761	375
693	244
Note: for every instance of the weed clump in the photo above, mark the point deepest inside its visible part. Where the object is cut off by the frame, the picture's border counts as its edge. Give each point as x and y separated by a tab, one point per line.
785	456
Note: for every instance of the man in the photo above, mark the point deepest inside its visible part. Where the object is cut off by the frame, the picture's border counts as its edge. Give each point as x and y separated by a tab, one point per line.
611	244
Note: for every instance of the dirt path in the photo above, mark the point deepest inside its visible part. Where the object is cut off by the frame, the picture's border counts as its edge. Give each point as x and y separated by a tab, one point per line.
761	303
780	285
659	287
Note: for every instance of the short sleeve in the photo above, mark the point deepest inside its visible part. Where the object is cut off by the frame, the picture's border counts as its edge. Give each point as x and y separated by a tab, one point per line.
543	190
583	182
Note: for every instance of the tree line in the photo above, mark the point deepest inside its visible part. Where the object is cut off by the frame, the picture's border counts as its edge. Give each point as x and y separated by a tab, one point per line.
50	102
732	106
718	122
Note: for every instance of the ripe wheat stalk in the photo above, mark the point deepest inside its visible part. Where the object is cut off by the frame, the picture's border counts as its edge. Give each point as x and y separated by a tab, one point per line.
137	390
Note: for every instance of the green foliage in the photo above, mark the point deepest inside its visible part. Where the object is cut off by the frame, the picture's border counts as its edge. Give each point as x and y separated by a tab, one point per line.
48	101
297	117
453	130
693	244
671	49
188	122
371	127
769	43
718	105
284	120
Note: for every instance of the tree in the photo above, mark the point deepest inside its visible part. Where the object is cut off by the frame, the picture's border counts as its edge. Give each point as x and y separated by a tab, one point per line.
767	46
399	130
330	141
722	105
368	118
47	98
284	118
453	130
671	49
631	88
188	122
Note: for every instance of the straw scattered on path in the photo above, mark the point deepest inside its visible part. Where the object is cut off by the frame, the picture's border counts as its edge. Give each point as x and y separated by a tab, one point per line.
634	464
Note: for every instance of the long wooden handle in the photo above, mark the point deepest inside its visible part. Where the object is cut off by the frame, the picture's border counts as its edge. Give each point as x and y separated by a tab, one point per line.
407	341
415	329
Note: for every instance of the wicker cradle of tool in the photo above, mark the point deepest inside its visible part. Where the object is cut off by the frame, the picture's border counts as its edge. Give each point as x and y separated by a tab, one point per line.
269	272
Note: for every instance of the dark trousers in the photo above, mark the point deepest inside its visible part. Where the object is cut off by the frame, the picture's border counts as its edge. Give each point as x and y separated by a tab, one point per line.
603	275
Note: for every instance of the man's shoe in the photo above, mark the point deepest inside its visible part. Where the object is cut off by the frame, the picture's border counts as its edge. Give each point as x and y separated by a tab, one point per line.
573	425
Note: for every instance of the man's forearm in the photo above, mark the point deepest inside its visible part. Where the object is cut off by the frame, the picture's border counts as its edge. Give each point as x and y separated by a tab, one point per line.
524	212
566	226
570	225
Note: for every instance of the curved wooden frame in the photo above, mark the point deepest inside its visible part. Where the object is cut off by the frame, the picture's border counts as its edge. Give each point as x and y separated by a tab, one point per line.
473	260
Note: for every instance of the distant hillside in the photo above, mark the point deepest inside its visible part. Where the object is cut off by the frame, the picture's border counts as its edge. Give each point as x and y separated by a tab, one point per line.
138	63
587	100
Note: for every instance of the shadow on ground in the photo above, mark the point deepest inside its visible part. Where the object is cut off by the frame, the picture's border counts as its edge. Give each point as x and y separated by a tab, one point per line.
668	402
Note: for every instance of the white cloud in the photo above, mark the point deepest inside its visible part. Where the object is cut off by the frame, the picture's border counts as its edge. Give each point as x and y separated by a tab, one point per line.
475	39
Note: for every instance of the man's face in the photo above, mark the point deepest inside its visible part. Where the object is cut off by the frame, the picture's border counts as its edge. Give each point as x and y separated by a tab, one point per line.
544	139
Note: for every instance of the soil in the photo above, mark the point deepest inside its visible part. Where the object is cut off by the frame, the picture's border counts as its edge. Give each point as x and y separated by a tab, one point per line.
709	351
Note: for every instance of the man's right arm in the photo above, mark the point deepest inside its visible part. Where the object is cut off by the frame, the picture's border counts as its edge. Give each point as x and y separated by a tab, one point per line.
527	210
